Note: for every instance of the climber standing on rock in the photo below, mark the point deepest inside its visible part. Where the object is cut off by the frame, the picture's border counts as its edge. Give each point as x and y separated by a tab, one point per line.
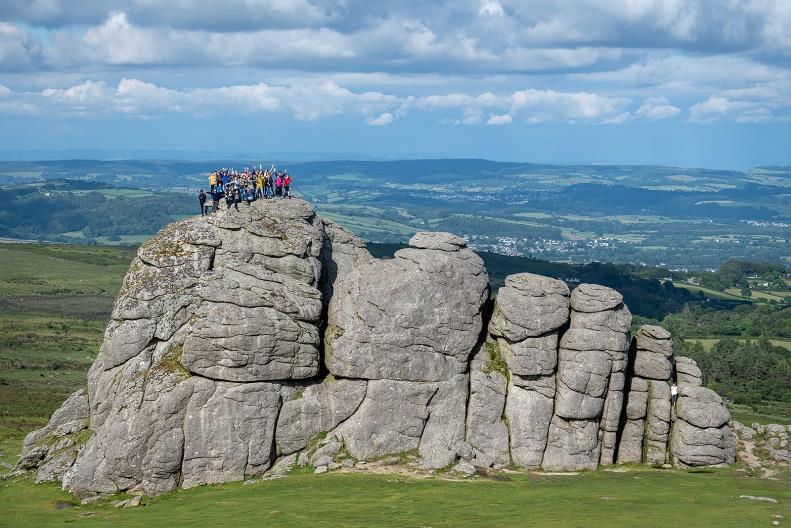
259	184
287	185
270	182
202	202
215	200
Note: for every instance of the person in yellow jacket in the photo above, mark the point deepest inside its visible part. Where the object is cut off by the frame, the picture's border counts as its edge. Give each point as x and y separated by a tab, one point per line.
212	180
259	185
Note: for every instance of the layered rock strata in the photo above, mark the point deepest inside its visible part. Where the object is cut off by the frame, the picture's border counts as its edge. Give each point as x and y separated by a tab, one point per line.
257	339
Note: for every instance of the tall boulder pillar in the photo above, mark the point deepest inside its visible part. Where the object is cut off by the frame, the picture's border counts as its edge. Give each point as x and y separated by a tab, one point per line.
654	362
523	333
646	430
592	353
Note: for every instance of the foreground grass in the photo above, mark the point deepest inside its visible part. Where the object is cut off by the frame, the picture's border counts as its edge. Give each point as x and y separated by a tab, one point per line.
635	498
55	301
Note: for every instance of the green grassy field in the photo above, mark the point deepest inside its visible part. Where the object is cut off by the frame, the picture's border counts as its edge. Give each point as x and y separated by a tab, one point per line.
762	413
709	342
54	305
708	292
647	498
760	294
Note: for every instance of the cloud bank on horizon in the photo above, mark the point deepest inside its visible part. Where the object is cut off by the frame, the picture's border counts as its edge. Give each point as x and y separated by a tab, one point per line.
663	70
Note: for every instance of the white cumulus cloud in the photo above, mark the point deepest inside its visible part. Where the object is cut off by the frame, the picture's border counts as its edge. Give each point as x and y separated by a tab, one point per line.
382	120
503	119
655	108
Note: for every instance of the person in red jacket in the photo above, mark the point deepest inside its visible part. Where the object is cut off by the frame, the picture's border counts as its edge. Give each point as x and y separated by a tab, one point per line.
287	185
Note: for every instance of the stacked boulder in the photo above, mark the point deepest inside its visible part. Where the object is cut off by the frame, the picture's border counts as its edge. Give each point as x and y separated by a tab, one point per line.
592	360
648	408
529	312
253	340
406	327
702	434
687	372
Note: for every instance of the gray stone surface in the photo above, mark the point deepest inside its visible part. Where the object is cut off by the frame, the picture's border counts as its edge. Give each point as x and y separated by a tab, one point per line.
594	298
610	424
316	408
701	433
342	252
53	448
229	432
688	372
486	430
572	445
533	356
743	432
701	407
390	419
415	317
657	426
444	432
529	413
529	306
654	353
630	447
583	377
234	297
693	447
399	417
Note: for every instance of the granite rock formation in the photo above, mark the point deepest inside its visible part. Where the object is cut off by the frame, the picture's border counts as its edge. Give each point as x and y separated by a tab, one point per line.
253	340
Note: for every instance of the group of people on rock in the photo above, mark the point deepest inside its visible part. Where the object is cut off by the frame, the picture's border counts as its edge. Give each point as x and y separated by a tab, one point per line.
246	186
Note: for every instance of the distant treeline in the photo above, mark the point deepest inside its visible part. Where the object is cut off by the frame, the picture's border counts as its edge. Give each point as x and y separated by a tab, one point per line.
746	371
61	207
737	274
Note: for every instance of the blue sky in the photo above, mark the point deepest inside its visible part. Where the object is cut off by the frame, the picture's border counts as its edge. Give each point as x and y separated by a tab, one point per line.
682	82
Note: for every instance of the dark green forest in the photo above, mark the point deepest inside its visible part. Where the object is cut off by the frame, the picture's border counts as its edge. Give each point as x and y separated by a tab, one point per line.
746	371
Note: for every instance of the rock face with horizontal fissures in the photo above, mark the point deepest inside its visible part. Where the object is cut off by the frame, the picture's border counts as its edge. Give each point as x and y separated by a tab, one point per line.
268	336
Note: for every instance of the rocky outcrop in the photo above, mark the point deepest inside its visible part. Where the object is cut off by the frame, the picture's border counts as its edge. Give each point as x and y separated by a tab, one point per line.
648	408
487	433
524	330
415	317
53	449
764	443
701	432
259	339
592	353
687	372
